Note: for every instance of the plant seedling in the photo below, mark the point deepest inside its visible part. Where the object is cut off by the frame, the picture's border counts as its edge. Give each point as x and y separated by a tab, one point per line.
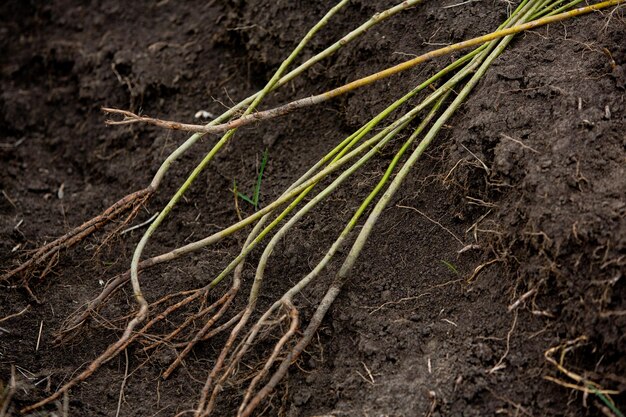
450	266
606	400
293	341
254	200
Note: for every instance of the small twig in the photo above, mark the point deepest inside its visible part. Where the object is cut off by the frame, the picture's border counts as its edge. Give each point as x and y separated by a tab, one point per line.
452	170
475	224
578	387
519	142
518	407
521	299
369	373
10	316
7	396
402	300
477	158
4	193
66	405
47	378
39	336
460	4
236	197
12	145
363	378
121	396
499	365
26	373
468	248
479	269
450	322
433	221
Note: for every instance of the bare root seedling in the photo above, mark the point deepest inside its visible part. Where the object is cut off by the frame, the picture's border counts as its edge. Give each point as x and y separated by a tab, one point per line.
191	309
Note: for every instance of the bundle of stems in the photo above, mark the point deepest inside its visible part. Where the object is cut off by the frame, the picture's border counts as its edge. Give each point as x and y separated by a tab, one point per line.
449	88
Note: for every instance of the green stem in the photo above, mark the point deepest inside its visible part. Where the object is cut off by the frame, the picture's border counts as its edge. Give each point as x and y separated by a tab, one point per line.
347	266
295	191
134	266
376	19
417	153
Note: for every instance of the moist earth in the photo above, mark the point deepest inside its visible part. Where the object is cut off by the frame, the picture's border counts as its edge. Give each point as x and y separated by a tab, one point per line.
529	177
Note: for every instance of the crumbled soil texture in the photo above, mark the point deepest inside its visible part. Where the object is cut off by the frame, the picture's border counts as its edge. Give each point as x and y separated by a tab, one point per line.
530	174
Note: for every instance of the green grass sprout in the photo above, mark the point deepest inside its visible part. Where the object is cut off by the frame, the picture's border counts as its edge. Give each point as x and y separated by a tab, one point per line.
606	400
254	201
450	266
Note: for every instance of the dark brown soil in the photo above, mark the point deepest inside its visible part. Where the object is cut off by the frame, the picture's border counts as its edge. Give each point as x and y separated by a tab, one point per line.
532	170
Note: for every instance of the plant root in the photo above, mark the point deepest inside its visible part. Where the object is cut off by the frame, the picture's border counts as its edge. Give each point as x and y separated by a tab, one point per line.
122	343
6	394
48	254
581	383
225	372
225	302
294	354
112	351
293	327
291	343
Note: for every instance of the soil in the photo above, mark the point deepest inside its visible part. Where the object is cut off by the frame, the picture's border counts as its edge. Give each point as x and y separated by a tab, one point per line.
530	173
